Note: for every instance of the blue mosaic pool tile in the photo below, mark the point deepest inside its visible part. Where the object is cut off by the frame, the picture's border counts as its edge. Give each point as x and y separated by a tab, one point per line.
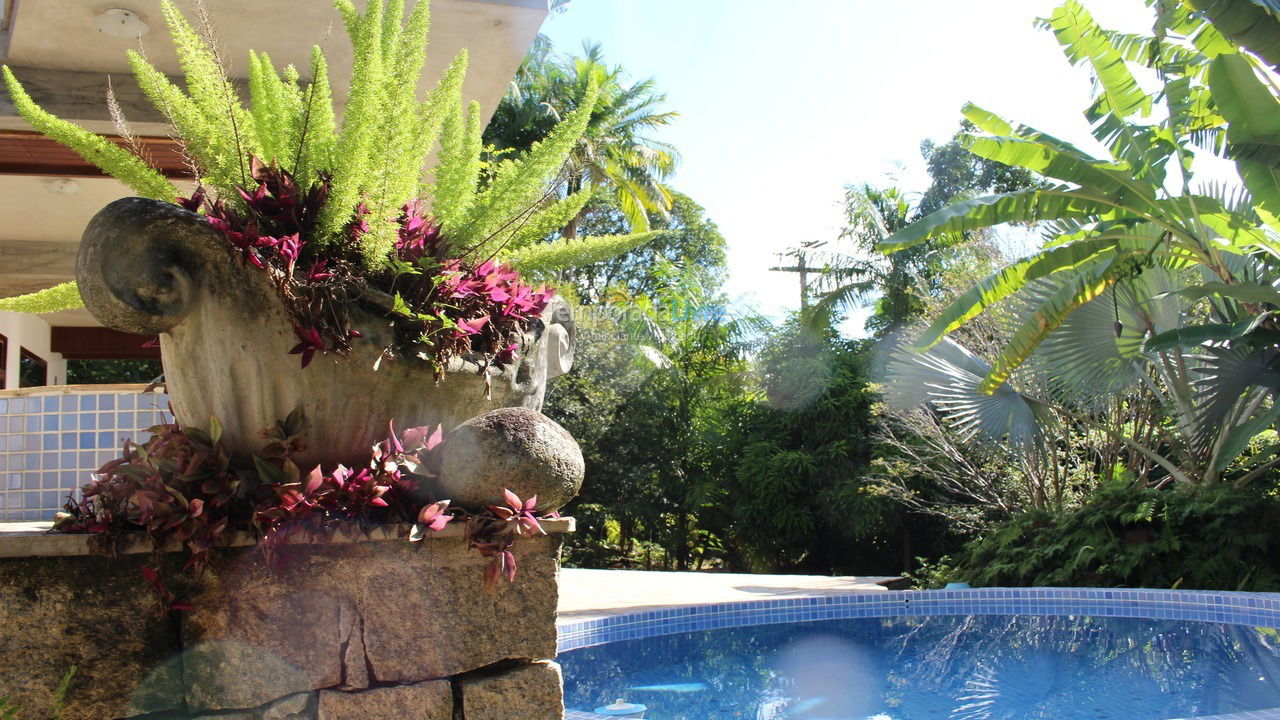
1236	609
54	441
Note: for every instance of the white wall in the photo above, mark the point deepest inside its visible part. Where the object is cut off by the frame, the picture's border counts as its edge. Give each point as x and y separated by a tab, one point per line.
32	333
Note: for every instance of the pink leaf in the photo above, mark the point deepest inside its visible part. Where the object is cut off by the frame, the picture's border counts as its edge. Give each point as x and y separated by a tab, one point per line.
436	438
315	479
509	565
512	499
431	511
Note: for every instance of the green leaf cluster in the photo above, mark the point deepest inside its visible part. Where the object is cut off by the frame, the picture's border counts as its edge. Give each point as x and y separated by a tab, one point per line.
1105	304
1212	538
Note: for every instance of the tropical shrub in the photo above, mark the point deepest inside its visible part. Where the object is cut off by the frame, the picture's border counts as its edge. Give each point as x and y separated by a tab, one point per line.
1214	537
338	213
1148	279
799	495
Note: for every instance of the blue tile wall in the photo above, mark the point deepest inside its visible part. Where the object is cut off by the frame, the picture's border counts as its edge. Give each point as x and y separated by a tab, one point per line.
1251	609
51	442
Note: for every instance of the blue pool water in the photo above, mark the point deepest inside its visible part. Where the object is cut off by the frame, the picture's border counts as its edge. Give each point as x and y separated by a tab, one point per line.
986	667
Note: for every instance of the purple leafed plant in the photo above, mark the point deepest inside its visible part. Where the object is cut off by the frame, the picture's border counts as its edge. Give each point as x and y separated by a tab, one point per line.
180	488
440	306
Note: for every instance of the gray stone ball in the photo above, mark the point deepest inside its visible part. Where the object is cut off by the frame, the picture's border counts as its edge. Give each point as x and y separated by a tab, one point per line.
515	448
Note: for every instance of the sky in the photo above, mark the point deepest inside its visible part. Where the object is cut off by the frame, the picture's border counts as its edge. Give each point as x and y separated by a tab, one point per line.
785	102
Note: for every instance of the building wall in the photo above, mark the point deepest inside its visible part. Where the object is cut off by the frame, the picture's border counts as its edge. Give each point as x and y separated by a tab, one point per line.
30	332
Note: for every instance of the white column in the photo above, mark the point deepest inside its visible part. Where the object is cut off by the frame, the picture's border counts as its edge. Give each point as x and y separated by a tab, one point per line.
34	334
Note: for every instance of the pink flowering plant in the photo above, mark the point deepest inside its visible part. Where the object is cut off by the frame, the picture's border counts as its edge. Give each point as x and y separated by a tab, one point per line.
181	490
440	306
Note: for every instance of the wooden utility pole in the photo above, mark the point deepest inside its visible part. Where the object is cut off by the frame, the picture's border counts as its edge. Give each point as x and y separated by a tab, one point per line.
802	267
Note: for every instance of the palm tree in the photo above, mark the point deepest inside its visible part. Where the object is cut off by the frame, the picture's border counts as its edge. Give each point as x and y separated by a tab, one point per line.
862	274
616	154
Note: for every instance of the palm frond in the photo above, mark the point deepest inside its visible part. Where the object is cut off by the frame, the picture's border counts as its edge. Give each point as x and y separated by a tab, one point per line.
949	377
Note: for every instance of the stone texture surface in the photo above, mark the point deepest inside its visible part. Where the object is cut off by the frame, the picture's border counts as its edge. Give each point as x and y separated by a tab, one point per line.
145	266
254	636
92	612
295	707
354	615
431	700
510	448
530	691
458	626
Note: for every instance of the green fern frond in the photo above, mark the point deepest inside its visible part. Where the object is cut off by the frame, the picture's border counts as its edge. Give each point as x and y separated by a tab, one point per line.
316	126
360	120
522	184
392	14
395	168
350	16
65	296
209	88
459	170
214	153
545	258
405	59
442	102
104	154
542	222
266	106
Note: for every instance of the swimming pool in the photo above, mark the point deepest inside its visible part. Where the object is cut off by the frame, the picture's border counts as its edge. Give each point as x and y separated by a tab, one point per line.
990	654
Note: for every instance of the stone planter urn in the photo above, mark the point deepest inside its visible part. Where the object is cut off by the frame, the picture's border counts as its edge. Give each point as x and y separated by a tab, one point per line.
150	267
357	627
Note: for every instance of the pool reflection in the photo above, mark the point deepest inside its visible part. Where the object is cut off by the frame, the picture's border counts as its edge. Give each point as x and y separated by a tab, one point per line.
958	668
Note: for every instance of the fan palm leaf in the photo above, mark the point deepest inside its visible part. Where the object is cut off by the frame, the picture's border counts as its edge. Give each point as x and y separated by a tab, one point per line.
948	377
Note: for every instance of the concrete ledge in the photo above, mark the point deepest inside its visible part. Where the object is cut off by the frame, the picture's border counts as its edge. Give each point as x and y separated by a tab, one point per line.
36	539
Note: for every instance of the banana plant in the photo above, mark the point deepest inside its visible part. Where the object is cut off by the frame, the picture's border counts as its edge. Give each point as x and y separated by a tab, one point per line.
1189	265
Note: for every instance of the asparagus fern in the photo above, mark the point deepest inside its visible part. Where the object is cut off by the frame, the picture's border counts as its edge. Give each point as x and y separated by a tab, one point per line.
371	166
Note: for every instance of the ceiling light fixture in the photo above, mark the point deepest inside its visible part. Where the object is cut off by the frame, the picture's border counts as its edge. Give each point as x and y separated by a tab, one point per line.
62	186
121	23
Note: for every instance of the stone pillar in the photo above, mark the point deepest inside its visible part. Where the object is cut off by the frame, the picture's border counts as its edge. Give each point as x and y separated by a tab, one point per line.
379	628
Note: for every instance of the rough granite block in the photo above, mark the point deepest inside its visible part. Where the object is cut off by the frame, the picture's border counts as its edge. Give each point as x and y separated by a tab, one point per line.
531	691
431	700
353	615
95	613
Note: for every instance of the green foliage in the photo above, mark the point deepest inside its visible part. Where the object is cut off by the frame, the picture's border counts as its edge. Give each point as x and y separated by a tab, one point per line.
112	159
689	252
65	296
1253	126
1111	209
101	372
800	499
1252	24
1210	538
490	219
1112	225
900	284
545	258
614	156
